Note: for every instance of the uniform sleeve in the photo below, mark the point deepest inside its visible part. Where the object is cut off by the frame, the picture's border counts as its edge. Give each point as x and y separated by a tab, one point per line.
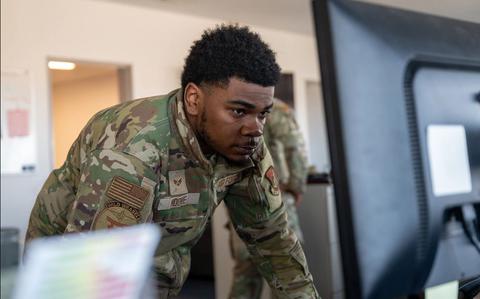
49	214
258	215
286	131
111	189
57	195
116	189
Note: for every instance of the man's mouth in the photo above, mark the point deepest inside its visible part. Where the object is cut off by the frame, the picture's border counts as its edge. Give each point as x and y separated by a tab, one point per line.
247	149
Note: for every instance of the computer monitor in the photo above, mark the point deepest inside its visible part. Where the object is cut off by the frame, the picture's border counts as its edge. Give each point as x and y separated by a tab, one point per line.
402	103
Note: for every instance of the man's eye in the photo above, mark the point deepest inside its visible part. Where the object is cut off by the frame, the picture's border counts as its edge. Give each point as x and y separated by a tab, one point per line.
238	112
264	114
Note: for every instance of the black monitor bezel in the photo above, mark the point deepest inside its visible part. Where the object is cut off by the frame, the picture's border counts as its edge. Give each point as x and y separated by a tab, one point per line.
350	261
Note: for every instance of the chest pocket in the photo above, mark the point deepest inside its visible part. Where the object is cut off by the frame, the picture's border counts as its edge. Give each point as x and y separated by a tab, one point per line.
180	225
251	201
246	202
183	194
182	207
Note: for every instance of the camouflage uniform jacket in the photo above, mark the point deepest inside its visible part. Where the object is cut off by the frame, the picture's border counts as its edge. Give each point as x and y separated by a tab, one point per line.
287	147
140	162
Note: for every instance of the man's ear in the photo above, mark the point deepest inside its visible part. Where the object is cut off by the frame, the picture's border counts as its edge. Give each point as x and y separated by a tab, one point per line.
192	97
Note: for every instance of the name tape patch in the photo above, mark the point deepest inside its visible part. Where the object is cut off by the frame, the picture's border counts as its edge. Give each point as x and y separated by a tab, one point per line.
127	193
224	182
178	201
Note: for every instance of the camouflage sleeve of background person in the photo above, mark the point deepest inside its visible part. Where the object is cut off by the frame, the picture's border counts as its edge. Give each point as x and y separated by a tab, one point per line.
258	215
101	184
283	128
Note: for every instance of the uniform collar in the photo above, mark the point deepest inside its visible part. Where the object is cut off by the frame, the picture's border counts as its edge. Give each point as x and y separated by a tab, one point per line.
185	131
216	164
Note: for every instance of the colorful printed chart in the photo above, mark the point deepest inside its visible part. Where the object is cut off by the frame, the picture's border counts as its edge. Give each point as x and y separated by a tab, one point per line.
102	265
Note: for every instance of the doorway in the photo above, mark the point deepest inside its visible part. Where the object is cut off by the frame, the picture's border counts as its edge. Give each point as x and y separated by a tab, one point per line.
78	90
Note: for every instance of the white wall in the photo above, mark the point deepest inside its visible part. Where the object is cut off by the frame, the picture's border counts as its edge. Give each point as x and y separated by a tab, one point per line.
153	42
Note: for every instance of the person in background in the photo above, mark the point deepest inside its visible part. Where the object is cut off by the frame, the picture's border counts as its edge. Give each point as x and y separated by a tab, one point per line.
287	147
171	159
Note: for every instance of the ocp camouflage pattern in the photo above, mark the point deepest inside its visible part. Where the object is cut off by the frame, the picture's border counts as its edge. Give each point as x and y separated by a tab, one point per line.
287	147
148	145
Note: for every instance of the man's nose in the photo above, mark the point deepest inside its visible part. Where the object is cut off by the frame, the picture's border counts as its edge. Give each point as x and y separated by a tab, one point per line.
253	128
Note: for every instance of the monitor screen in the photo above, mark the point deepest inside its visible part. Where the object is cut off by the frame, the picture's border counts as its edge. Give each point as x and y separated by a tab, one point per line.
402	103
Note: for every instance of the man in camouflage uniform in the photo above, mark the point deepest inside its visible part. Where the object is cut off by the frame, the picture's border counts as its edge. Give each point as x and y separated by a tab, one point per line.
172	159
287	148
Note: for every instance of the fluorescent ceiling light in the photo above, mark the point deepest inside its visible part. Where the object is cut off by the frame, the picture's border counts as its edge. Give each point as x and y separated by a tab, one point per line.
61	65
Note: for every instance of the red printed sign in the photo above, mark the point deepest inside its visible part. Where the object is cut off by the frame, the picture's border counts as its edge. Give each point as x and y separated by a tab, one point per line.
17	123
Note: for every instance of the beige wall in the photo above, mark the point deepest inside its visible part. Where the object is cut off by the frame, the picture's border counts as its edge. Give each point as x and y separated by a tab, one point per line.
74	103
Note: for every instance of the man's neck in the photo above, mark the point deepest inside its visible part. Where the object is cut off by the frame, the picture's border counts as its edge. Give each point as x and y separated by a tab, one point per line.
207	151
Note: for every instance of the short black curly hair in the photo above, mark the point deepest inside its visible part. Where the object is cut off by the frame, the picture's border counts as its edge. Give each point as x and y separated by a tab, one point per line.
230	51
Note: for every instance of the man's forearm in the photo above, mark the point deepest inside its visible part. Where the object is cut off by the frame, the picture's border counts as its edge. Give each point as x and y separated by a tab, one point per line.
279	257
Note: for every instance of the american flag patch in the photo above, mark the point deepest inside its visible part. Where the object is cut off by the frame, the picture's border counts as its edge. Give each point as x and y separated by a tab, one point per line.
127	193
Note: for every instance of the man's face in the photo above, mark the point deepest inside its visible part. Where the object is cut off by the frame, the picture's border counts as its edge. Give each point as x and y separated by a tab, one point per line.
230	119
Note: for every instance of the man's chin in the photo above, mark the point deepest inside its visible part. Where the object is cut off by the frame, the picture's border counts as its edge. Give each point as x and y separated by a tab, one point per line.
237	158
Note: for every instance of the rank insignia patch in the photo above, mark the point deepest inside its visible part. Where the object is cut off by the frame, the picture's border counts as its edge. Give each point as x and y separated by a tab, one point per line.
127	193
176	182
272	178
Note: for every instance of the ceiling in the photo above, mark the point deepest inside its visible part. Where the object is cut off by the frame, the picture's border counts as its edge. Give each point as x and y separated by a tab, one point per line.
294	15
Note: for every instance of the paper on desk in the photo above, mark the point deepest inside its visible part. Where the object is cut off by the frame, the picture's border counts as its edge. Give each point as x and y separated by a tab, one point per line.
112	263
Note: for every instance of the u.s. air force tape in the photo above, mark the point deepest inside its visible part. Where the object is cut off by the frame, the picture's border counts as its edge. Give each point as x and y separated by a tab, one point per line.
127	193
227	181
178	201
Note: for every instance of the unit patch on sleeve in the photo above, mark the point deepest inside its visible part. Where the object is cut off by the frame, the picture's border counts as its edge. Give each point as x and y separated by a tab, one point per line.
272	178
116	214
127	193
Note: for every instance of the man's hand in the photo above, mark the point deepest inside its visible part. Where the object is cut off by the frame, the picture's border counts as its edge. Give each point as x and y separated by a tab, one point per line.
298	197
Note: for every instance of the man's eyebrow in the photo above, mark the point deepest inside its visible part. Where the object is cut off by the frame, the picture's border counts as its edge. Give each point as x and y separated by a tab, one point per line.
249	105
269	107
243	103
